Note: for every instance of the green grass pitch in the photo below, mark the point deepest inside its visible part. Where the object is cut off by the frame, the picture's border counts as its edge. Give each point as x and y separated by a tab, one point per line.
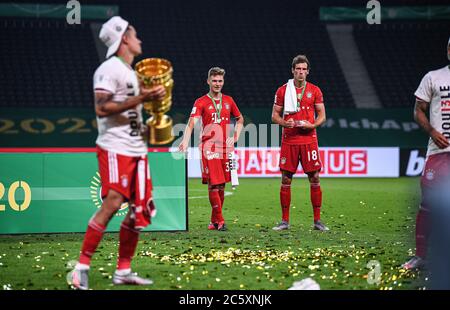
370	219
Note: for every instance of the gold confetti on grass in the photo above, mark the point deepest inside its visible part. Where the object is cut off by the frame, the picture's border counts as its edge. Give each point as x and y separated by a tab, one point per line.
328	264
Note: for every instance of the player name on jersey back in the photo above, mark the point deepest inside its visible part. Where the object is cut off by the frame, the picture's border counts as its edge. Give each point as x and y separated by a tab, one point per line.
435	89
120	133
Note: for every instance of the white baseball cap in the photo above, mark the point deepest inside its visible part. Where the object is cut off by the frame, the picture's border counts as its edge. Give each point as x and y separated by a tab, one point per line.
112	32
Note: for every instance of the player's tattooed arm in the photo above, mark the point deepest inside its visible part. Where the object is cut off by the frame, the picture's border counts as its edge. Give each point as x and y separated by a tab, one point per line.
101	99
105	106
420	116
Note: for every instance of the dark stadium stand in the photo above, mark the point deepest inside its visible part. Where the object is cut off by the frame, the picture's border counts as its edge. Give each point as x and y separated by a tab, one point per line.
254	46
398	54
253	40
46	63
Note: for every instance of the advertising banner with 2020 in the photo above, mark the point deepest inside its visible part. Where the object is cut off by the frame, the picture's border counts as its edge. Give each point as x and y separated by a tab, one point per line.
58	192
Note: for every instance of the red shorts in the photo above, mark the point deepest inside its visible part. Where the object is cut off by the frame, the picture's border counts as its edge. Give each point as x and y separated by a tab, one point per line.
436	171
119	173
306	154
215	168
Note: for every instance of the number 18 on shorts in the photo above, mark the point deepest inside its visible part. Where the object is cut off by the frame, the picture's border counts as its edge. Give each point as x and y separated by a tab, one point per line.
306	154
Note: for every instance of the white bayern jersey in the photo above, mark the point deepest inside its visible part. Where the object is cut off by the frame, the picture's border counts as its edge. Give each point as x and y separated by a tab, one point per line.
119	133
435	89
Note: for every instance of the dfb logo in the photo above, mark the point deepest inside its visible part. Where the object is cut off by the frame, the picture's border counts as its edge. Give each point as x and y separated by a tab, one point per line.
74	15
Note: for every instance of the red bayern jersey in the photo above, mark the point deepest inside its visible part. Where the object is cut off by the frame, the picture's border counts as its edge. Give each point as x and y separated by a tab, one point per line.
311	97
214	127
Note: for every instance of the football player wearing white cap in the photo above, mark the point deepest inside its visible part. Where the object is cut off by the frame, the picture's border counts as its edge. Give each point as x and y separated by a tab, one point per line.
432	96
121	151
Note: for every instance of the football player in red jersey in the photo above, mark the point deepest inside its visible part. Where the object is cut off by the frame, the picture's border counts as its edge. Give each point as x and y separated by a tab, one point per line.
299	108
215	109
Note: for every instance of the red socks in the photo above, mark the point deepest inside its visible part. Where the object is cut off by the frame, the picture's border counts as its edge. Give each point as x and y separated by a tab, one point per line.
128	240
92	238
423	216
222	195
128	237
285	199
316	199
216	204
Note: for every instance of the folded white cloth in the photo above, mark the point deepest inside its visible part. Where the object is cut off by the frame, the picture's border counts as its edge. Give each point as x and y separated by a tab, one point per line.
290	98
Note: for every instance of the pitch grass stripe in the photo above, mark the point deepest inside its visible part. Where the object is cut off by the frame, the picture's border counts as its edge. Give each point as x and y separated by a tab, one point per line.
85	193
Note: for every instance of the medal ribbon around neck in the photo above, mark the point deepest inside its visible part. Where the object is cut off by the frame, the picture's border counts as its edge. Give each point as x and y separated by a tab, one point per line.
218	109
301	97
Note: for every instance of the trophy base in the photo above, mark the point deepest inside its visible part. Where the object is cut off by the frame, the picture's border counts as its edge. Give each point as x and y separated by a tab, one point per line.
160	132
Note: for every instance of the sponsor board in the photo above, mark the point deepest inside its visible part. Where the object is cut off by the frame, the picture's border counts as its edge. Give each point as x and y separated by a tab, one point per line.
412	162
58	190
336	162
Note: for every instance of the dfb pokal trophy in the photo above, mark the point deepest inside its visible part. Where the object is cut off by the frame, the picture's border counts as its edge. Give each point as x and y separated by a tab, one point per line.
152	72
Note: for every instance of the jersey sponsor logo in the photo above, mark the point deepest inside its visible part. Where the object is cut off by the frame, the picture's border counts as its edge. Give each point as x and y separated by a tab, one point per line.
215	118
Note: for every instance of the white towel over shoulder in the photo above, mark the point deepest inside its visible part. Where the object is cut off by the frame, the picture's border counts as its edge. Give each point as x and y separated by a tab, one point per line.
290	98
